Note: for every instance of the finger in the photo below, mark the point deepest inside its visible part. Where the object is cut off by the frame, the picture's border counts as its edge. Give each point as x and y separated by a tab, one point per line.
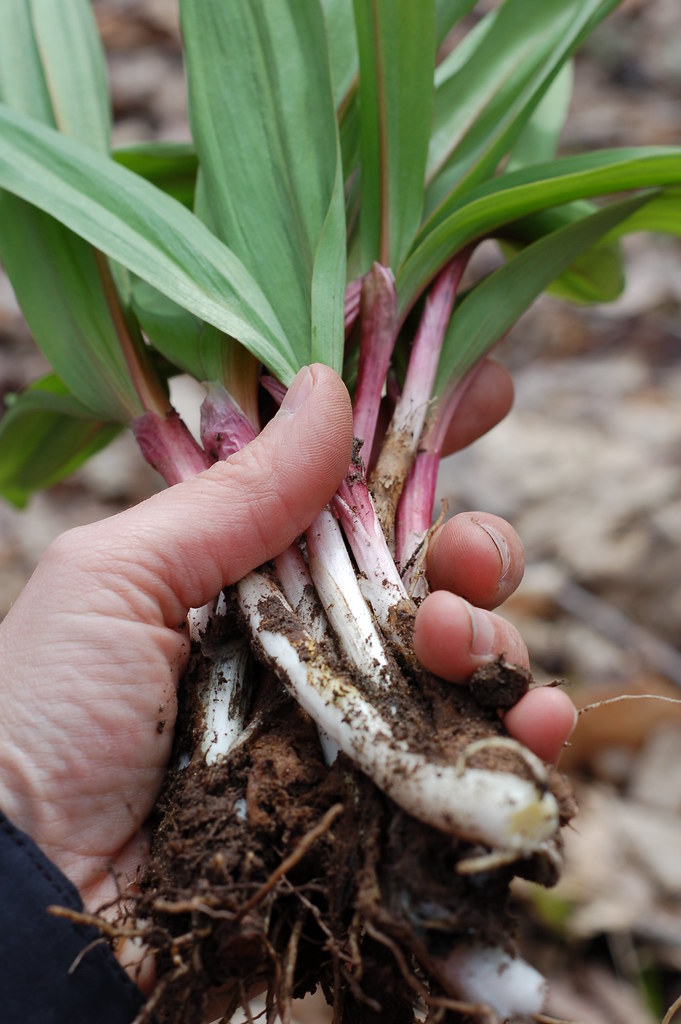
181	546
487	400
452	638
543	720
477	555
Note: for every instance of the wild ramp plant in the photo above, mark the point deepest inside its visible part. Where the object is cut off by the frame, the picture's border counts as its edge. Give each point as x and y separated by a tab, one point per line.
345	165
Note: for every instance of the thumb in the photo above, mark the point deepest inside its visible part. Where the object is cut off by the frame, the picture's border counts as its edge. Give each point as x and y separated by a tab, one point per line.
181	546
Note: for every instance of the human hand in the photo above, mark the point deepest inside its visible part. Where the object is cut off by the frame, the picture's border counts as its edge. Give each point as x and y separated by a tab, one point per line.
93	649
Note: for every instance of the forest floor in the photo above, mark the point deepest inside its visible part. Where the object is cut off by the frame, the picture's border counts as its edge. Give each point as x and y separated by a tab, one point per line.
587	467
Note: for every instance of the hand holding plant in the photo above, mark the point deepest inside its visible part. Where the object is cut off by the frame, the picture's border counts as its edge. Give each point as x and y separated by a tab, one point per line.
341	175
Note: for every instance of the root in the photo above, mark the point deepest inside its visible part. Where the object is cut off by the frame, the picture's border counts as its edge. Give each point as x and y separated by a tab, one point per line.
290	862
478	1011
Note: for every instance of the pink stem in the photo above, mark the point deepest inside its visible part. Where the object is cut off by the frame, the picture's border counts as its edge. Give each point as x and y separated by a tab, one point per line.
224	427
415	510
378	310
411	408
168	447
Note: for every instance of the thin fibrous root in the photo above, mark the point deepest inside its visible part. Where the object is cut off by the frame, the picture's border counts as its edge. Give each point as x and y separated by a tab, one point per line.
443	1002
534	763
308	840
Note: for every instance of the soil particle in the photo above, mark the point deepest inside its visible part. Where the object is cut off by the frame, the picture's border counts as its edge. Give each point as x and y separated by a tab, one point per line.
498	686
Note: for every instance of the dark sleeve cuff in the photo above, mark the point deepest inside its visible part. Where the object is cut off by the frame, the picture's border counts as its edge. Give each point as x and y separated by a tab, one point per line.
48	975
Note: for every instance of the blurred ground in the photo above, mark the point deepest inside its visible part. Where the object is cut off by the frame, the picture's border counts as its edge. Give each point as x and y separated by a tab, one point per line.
588	469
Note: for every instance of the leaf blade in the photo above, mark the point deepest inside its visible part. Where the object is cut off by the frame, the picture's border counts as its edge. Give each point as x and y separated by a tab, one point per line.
397	58
483	107
45	435
271	57
143	229
510	197
494	305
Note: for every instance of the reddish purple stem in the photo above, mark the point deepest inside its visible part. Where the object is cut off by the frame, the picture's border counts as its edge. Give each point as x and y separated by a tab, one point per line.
167	445
224	427
427	344
378	311
415	510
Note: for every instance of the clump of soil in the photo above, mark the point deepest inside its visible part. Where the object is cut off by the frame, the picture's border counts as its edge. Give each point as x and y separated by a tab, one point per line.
273	869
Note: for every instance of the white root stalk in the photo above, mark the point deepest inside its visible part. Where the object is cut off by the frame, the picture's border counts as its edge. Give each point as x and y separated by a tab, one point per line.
296	582
486	974
380	581
498	809
225	699
336	583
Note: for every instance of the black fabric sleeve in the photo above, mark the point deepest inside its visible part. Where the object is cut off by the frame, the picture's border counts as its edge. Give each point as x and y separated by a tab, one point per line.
45	975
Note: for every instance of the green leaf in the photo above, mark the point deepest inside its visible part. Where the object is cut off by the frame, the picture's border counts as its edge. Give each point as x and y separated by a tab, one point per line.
75	69
170	166
195	347
597	276
397	56
482	108
494	305
485	210
45	435
447	13
60	77
143	229
539	139
263	120
342	43
59	288
662	215
22	79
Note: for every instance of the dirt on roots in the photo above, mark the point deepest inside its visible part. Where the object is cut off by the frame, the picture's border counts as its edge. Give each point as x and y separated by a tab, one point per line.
272	870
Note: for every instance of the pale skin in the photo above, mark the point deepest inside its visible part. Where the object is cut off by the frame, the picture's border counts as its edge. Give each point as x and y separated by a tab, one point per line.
92	651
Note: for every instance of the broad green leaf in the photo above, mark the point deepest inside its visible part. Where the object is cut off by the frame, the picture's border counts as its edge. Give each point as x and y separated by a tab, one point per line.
597	276
662	215
193	346
75	69
171	166
539	139
45	435
482	108
22	78
328	283
396	56
58	285
447	13
507	198
52	68
263	119
143	229
342	44
494	305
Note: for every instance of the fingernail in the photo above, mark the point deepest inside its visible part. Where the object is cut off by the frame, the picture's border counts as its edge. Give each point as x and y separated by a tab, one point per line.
482	641
299	391
500	544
